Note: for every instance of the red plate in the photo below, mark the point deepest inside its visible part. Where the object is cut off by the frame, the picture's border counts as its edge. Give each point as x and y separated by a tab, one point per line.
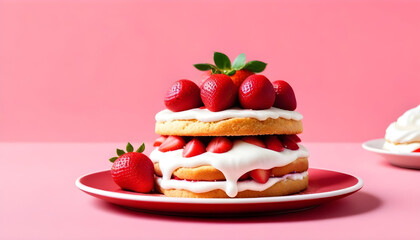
324	186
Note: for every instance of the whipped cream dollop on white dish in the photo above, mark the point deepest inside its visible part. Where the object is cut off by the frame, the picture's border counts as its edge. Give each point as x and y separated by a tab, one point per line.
404	134
242	158
205	115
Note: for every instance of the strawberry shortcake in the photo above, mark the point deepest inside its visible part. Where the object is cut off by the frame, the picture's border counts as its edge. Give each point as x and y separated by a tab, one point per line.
403	136
233	136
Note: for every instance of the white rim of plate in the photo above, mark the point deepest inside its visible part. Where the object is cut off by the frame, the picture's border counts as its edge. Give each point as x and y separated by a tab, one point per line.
368	146
288	198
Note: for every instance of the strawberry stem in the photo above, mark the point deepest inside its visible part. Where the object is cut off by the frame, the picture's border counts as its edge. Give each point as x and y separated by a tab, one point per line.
222	64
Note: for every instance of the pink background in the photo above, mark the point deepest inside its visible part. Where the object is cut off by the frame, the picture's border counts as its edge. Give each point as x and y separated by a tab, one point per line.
98	70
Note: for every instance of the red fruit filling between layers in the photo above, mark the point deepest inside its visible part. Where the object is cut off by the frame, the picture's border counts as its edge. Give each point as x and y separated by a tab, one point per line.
258	175
194	146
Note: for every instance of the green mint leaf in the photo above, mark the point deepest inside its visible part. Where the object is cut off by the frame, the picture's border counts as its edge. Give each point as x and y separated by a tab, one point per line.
113	159
221	60
231	72
239	62
120	152
215	71
141	148
129	147
255	66
203	66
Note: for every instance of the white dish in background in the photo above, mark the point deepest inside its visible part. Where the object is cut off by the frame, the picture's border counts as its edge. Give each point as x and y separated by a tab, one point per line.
406	160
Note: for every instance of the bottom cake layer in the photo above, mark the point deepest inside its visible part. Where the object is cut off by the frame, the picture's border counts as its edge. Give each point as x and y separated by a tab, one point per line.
284	186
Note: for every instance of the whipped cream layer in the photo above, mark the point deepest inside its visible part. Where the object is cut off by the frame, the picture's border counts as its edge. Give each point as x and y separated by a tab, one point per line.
406	129
242	158
401	148
206	186
204	115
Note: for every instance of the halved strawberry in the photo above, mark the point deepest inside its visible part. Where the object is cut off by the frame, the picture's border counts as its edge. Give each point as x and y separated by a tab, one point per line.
172	143
295	138
219	145
159	141
273	143
288	142
253	140
261	175
417	150
245	176
193	148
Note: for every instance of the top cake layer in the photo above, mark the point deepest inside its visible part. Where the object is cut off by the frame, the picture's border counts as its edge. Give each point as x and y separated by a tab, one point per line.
230	122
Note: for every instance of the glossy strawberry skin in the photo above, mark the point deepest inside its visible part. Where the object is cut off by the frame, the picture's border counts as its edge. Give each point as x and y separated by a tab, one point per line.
261	175
273	143
193	148
219	145
183	95
257	93
218	92
285	96
133	171
245	176
417	150
172	143
159	141
295	138
254	140
288	143
239	77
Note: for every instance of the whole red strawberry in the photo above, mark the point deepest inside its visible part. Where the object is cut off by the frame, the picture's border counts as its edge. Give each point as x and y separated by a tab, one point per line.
218	92
285	96
256	92
183	95
133	170
239	77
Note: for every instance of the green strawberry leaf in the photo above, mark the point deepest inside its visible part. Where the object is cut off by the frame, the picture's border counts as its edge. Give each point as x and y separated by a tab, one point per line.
129	147
239	62
113	159
255	66
222	61
141	148
204	66
215	71
120	152
231	72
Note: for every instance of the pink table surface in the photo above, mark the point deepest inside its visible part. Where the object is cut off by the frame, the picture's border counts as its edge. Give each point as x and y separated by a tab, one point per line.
38	200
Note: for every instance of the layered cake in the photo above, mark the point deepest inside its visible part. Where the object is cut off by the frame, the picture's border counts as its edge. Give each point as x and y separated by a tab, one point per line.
403	136
233	136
